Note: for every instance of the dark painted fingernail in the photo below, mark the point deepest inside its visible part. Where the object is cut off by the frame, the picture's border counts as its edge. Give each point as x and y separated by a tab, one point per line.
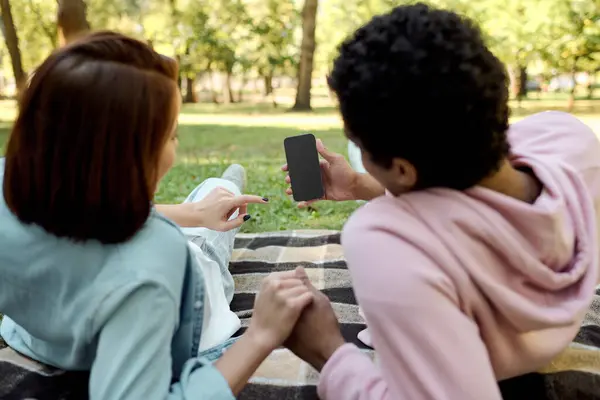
265	200
246	218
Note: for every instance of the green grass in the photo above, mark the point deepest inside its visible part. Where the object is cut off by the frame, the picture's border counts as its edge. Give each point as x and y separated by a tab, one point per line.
212	137
206	150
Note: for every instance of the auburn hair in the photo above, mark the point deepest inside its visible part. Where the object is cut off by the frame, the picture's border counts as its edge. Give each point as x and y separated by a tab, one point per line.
82	158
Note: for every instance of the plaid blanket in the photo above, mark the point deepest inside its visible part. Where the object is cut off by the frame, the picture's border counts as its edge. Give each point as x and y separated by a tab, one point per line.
575	374
283	375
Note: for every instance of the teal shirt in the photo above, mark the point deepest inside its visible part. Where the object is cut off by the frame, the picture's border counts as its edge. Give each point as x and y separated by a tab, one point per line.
131	313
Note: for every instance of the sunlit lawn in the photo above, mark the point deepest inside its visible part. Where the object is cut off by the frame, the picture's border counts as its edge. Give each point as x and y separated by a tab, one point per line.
212	137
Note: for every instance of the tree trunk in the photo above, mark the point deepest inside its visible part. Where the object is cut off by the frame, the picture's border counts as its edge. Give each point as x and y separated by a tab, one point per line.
571	102
305	68
268	79
522	77
12	43
227	90
71	20
518	86
190	86
590	85
2	78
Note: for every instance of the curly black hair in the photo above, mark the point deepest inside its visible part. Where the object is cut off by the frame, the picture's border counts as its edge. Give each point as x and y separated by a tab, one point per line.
420	84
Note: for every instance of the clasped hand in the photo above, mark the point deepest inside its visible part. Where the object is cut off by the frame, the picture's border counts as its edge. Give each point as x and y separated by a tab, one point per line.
289	310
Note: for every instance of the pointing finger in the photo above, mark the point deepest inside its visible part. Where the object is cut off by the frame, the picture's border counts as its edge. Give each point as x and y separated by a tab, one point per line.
247	199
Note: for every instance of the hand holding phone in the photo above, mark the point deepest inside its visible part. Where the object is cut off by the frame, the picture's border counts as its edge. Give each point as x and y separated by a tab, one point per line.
304	168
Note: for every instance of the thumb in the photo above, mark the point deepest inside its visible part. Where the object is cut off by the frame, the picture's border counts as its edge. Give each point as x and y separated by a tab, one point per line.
303	276
324	152
236	222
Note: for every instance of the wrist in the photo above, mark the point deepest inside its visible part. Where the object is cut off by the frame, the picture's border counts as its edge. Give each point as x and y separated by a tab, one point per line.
168	211
326	352
356	188
365	187
258	341
182	214
187	216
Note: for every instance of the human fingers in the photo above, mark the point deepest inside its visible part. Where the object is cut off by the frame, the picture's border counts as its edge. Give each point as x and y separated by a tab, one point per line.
325	153
284	168
244	199
303	276
273	284
282	275
234	223
296	298
296	290
306	204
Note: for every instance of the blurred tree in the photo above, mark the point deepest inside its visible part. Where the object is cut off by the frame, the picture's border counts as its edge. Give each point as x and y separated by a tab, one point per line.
272	49
339	19
231	25
576	39
12	43
511	26
126	16
71	20
42	11
38	36
223	44
209	38
307	51
342	17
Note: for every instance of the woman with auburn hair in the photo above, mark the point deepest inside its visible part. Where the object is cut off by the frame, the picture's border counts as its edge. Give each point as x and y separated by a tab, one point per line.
93	277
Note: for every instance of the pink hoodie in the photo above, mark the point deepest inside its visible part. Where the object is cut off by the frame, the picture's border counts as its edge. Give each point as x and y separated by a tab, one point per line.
461	289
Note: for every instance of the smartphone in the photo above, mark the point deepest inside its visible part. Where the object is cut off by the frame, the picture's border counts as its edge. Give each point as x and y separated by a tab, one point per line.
304	167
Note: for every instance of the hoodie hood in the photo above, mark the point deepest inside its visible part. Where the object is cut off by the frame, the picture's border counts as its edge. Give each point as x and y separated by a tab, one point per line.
524	272
546	253
534	264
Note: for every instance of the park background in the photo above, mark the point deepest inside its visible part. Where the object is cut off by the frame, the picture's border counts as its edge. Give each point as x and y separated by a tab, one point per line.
254	72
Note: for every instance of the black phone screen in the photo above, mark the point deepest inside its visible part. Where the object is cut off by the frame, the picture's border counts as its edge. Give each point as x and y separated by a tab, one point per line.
303	167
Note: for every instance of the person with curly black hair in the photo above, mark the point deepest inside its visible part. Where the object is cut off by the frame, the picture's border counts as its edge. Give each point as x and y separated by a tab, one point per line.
480	261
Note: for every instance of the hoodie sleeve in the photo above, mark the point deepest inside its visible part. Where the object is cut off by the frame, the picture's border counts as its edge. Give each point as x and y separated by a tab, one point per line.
427	348
560	136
